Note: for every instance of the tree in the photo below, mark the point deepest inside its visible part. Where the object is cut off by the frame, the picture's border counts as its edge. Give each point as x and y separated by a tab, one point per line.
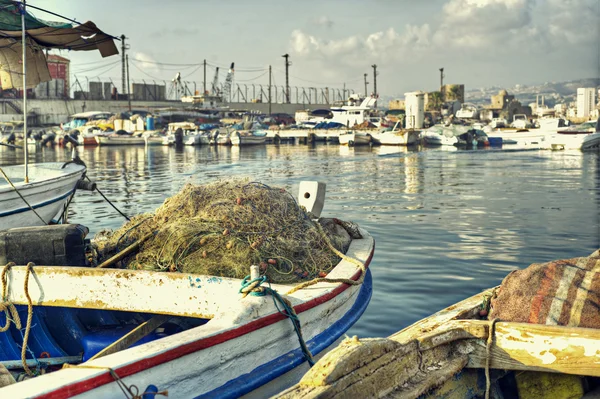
434	101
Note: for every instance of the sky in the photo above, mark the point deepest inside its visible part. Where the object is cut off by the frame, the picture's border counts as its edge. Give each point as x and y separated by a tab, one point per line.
479	43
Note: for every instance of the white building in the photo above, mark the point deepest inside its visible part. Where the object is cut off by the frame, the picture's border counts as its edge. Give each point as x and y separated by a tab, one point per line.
586	101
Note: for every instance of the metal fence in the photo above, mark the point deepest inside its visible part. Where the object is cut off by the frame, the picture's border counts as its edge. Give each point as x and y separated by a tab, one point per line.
84	88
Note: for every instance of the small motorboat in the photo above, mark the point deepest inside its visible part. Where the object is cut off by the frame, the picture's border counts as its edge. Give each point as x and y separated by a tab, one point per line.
50	186
241	138
396	136
354	137
468	351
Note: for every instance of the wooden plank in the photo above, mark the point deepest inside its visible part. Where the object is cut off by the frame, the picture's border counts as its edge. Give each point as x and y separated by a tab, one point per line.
521	346
133	336
176	294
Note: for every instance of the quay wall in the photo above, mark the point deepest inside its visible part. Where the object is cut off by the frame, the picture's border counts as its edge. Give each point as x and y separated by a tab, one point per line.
54	111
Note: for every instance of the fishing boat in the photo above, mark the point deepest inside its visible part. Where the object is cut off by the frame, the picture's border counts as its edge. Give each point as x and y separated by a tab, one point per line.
35	197
50	187
241	138
459	353
190	134
396	136
120	139
197	335
591	142
354	137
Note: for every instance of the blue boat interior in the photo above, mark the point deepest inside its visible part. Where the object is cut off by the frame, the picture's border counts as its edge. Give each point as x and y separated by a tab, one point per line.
58	332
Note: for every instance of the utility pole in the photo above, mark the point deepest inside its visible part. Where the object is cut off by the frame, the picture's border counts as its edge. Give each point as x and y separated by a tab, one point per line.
269	89
442	84
343	95
128	94
123	76
287	77
366	83
204	81
374	80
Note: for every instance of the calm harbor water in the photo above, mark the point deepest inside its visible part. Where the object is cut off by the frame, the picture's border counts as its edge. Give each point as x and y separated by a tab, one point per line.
447	224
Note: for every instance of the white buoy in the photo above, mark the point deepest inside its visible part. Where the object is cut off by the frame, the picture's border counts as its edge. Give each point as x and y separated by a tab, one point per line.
311	195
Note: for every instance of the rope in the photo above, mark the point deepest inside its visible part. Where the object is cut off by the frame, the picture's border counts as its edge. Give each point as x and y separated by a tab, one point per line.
488	358
7	307
110	203
20	195
130	392
348	281
10	311
253	288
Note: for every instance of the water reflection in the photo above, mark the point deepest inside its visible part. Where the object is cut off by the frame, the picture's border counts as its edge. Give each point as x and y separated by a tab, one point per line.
448	224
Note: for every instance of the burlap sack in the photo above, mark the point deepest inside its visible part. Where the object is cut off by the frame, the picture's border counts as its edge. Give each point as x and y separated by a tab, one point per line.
562	292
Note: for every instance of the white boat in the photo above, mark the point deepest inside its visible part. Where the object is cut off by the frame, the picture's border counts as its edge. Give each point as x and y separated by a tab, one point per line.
468	111
396	136
531	137
215	343
497	123
591	142
190	133
438	136
241	138
120	139
354	137
50	187
574	137
221	137
520	121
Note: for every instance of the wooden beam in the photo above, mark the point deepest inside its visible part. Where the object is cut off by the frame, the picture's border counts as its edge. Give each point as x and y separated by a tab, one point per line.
176	294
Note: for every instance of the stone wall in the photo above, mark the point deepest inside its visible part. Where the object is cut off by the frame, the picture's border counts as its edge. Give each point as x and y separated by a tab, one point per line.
54	112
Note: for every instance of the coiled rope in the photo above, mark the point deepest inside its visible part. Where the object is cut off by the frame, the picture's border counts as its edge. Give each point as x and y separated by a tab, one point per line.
10	311
253	287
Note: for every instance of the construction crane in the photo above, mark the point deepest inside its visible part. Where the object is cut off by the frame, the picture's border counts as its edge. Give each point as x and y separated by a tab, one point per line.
228	84
215	83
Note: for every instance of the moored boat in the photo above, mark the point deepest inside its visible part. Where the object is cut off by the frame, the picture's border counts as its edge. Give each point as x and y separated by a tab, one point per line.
396	136
213	341
461	352
354	137
50	187
241	138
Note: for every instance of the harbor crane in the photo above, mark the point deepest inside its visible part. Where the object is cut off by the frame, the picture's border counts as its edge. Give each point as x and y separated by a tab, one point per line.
215	83
228	84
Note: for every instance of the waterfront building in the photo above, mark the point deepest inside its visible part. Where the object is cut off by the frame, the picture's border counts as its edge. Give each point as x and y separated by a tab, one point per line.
586	101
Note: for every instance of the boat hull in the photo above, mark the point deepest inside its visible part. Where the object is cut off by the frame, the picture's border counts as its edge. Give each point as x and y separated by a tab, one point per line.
111	140
47	196
396	138
354	138
249	348
591	142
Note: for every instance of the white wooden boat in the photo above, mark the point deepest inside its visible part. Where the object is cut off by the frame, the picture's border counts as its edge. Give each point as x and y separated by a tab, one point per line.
240	138
458	353
120	140
217	344
354	137
50	186
222	137
396	136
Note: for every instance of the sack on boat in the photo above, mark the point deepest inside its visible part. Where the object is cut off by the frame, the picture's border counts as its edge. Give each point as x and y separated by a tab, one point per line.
223	228
562	292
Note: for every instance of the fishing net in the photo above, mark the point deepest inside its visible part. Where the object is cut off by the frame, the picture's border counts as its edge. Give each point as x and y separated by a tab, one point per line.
223	228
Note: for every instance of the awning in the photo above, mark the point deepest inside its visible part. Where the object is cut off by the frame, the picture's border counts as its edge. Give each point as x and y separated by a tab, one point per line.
40	35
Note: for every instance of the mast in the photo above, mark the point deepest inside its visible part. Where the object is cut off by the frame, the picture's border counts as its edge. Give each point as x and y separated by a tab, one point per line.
24	91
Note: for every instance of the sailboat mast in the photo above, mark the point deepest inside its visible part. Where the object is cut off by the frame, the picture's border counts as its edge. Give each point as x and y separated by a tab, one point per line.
24	92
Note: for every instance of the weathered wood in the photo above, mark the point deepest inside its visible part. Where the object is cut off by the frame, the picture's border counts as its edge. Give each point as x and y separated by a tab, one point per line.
521	346
133	247
133	336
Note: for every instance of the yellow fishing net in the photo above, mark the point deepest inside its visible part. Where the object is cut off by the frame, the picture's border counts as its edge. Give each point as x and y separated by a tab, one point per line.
223	228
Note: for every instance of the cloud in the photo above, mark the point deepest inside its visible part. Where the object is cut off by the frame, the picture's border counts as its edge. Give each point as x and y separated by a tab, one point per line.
323	21
493	35
146	62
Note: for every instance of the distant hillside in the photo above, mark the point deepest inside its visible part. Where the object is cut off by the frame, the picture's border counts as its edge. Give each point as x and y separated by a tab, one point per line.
553	92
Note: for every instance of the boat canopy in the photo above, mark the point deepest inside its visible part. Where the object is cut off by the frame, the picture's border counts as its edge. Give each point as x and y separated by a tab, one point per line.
42	34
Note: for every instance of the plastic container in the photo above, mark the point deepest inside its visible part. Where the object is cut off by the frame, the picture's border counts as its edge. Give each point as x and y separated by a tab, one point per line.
149	123
495	141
